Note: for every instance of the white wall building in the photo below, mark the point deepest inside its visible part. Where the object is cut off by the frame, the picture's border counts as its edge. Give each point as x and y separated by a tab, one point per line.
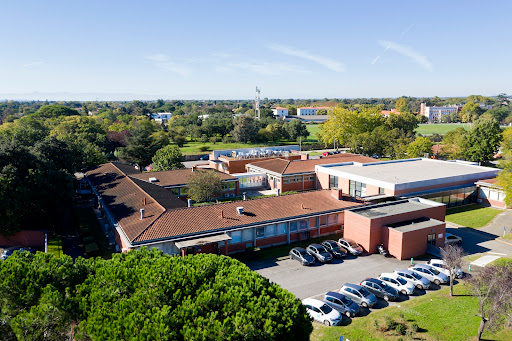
434	114
306	111
280	111
160	117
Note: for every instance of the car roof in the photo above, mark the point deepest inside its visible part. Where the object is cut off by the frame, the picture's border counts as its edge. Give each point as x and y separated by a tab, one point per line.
335	294
13	248
388	274
425	266
373	280
405	271
315	245
330	241
313	302
353	286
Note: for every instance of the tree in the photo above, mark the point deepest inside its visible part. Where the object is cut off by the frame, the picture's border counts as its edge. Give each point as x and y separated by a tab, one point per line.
141	147
452	256
245	129
204	185
55	110
493	289
406	123
470	112
455	143
419	147
484	139
402	105
167	158
295	129
144	295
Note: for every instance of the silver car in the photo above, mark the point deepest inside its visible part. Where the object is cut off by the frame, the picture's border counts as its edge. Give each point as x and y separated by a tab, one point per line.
319	252
440	265
351	246
431	273
359	294
417	280
341	303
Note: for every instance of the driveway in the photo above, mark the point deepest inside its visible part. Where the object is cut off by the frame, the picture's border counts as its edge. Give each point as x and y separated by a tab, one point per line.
479	241
316	280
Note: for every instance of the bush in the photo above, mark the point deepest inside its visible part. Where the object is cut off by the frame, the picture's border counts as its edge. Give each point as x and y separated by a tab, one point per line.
203	139
213	139
415	328
376	324
204	148
227	139
389	323
400	329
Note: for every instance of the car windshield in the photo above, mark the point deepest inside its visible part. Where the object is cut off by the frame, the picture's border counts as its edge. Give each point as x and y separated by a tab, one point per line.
384	286
401	280
415	275
331	244
434	271
325	309
321	249
364	292
302	252
352	243
346	300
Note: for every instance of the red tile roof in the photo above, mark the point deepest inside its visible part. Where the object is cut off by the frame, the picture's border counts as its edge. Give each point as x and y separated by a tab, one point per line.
196	220
124	199
177	177
282	166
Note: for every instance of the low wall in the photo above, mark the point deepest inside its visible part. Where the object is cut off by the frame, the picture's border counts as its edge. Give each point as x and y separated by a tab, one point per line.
31	238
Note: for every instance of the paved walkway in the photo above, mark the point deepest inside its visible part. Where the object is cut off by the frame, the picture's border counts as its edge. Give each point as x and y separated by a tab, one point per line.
503	219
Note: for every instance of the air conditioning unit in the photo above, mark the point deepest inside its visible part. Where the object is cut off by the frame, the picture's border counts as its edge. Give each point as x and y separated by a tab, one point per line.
239	210
153	179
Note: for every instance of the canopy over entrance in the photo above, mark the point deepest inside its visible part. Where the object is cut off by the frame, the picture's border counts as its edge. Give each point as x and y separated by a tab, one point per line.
202	241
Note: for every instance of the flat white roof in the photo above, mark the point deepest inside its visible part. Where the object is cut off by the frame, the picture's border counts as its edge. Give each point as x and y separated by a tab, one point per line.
409	173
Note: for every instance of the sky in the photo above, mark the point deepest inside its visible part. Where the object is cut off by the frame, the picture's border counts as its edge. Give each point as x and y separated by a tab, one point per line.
125	50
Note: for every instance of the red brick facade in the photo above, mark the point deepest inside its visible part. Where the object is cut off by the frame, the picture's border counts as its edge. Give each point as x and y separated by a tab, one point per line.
29	238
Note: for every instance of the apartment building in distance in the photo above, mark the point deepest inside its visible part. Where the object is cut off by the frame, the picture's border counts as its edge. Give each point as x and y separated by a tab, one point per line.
307	111
161	117
434	114
280	112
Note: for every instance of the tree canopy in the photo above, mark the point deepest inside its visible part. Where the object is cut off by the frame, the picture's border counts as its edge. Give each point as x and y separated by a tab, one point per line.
204	185
144	295
167	158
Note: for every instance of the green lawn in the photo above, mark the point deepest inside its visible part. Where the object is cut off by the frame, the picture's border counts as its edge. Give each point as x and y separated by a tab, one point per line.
440	128
313	129
473	216
55	246
193	147
437	316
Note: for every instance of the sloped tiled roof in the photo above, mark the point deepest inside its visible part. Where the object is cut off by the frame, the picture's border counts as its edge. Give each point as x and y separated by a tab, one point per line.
282	166
124	199
195	220
176	177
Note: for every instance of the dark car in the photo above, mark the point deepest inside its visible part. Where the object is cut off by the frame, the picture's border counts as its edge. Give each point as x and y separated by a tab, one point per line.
300	254
334	248
341	303
10	250
319	252
351	246
380	289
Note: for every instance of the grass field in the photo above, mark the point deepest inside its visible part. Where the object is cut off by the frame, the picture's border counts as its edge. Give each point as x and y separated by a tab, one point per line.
473	216
193	147
441	128
55	246
313	129
437	316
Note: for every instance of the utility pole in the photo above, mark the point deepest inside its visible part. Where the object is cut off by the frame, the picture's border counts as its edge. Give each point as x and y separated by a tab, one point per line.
257	104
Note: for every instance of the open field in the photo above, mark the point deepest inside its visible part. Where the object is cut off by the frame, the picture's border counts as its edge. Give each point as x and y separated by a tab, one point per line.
473	216
313	129
434	316
440	128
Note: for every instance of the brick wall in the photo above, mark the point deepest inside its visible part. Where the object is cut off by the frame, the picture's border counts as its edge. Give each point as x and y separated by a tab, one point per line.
29	238
372	190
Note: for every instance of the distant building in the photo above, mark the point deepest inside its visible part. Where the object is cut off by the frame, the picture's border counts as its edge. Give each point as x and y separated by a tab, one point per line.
160	117
306	111
280	111
434	114
386	113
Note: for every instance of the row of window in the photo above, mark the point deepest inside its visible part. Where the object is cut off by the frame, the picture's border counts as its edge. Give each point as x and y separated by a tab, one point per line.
292	179
229	186
357	189
280	229
491	194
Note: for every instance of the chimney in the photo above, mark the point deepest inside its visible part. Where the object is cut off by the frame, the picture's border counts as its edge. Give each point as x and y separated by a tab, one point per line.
302	205
239	210
189	202
245	195
337	193
304	156
222	214
144	201
141	213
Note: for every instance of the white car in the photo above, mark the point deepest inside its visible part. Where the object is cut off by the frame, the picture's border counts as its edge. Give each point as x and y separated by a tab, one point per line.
417	280
452	239
321	312
440	265
431	273
398	282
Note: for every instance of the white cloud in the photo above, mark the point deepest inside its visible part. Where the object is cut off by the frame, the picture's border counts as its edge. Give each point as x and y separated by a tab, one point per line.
331	64
165	63
408	52
266	68
32	64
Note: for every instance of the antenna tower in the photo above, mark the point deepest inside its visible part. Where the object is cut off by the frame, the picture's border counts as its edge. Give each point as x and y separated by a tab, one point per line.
257	104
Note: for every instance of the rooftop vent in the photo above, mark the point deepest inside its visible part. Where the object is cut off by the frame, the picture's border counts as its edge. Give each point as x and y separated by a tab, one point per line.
153	179
141	213
239	210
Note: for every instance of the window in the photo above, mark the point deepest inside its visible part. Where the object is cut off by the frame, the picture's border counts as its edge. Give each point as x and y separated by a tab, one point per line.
312	222
333	181
228	186
236	237
381	190
175	191
309	178
183	190
247	235
293	226
303	224
282	228
332	219
286	180
260	232
270	230
357	189
323	220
